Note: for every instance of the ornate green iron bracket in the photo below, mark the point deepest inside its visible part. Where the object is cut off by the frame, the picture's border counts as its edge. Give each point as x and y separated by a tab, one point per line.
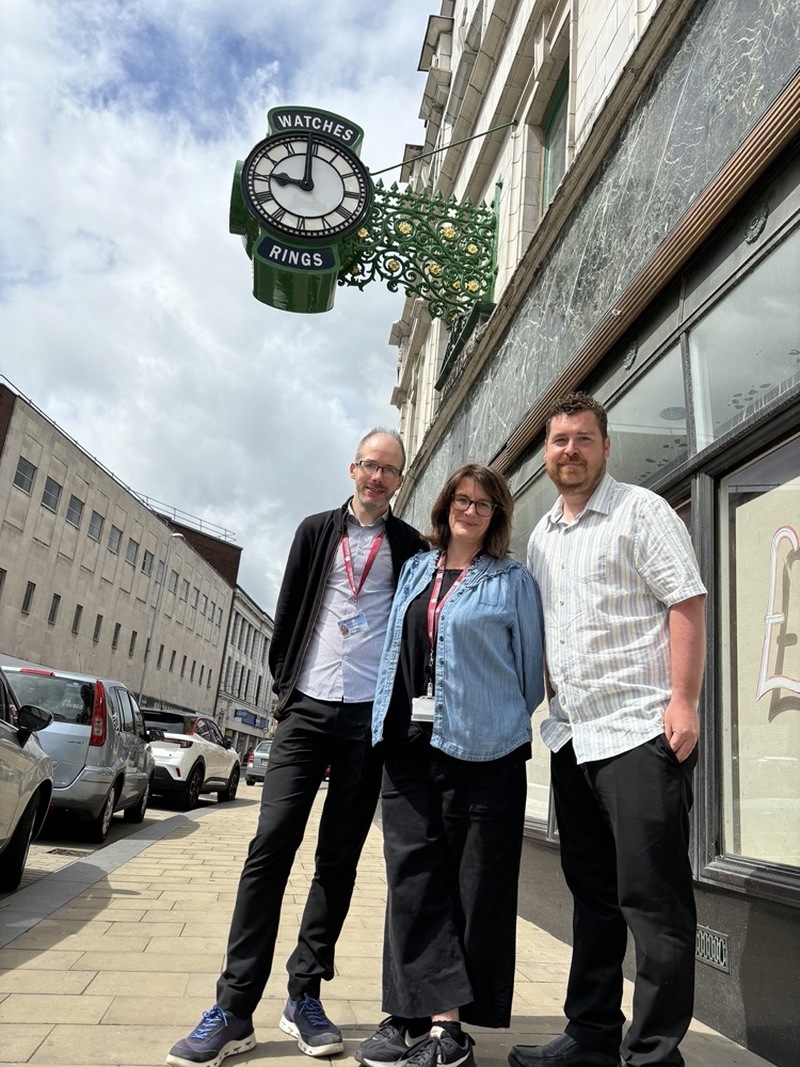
440	250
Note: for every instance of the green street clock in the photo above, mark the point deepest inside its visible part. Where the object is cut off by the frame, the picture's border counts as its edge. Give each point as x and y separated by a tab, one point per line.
311	219
306	186
299	193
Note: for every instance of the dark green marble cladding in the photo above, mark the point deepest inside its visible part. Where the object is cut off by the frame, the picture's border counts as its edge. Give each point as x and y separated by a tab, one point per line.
729	63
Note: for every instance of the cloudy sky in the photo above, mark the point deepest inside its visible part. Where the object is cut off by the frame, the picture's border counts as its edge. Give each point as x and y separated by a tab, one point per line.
125	306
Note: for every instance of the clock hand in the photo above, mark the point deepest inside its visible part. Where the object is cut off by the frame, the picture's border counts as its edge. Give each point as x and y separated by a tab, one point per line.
285	179
307	183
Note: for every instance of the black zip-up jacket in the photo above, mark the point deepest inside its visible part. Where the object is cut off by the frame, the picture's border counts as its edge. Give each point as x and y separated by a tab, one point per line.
307	568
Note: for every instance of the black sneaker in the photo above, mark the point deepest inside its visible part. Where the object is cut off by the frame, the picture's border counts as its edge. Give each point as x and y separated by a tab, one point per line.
440	1049
306	1020
387	1045
217	1035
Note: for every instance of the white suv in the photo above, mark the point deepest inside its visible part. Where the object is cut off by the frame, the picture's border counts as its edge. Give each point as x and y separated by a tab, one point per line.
192	757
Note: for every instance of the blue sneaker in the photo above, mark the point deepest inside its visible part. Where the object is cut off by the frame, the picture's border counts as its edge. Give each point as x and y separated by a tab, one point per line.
217	1035
306	1020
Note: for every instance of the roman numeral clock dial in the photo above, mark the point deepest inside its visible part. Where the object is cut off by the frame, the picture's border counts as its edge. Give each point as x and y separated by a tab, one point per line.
306	186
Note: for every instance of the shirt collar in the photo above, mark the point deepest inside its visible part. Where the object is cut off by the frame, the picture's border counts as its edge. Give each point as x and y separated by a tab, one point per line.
352	518
600	500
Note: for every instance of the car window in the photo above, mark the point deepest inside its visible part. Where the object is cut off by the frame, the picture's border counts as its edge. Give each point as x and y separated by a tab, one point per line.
203	729
216	734
138	718
120	697
69	699
8	713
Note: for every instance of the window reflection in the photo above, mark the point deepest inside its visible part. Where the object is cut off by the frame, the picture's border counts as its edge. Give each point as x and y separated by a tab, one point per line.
746	351
647	426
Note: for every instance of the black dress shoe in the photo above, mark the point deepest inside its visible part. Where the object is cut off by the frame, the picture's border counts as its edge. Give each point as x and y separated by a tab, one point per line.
560	1052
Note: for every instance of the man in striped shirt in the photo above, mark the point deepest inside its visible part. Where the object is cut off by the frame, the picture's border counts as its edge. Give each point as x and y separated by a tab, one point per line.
625	639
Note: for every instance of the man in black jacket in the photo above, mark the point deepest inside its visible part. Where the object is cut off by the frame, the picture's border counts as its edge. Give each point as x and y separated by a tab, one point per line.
330	624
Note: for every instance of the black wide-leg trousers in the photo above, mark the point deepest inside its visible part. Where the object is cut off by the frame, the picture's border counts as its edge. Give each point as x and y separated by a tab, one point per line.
623	824
452	835
314	735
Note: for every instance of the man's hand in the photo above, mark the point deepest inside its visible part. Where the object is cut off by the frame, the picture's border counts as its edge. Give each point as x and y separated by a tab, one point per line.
687	651
682	728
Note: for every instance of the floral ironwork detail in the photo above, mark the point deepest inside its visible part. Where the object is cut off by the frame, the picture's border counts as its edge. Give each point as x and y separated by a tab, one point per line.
439	249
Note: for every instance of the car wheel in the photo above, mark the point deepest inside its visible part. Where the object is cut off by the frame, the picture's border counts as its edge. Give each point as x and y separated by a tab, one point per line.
16	851
137	812
97	829
229	792
191	792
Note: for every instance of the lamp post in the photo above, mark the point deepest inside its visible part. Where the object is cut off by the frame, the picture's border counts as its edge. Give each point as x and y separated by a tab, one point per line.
157	611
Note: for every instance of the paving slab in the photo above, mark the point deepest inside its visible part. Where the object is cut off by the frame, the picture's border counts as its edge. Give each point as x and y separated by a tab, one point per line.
107	959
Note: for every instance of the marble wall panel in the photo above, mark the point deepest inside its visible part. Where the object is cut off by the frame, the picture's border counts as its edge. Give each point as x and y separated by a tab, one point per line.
729	62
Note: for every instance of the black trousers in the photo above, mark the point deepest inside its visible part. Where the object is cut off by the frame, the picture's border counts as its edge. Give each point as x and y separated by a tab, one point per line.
315	734
452	840
624	829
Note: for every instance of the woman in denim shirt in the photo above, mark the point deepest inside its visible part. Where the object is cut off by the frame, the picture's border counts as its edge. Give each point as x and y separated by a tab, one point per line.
456	732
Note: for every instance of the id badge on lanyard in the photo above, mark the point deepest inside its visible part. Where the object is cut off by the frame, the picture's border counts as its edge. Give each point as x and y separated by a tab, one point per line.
422	707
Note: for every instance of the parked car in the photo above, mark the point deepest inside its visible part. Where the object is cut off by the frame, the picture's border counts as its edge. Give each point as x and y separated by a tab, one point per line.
97	741
26	783
192	757
257	763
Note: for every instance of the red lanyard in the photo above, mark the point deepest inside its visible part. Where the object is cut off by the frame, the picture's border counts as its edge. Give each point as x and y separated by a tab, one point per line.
348	563
434	604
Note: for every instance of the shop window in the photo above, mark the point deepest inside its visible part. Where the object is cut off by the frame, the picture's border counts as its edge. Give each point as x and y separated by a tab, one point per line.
760	652
24	475
554	135
745	352
647	426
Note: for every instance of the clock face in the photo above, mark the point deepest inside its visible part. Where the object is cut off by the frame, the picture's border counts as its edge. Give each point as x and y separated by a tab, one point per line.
304	186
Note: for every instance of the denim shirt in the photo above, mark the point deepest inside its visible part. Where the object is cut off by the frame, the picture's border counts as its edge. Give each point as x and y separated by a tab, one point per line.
489	670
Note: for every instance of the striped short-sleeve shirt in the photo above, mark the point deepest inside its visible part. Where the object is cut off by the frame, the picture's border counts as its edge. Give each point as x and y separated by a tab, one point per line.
607	580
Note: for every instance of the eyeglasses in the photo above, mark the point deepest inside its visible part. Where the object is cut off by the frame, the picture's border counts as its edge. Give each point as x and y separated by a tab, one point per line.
371	468
484	508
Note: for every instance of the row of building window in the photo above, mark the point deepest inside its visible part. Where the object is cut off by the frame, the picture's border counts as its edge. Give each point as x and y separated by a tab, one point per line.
77	618
244	636
51	496
237	682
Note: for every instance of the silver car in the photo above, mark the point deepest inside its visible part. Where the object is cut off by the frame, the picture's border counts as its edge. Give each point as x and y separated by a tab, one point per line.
257	763
98	743
26	783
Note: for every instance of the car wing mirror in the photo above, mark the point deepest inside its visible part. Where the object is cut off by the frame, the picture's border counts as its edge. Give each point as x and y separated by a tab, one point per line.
32	718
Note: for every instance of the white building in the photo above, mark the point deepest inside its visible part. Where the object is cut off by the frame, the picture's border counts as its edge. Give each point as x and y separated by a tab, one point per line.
92	579
245	701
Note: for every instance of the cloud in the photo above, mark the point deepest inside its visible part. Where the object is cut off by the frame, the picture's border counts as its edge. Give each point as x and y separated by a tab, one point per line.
125	306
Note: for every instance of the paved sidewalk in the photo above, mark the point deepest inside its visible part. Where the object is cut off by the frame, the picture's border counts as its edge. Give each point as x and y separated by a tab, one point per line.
109	960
